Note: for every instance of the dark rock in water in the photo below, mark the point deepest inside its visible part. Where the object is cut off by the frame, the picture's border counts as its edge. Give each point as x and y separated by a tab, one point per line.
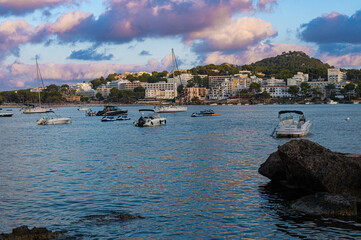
310	165
126	217
273	168
327	204
24	233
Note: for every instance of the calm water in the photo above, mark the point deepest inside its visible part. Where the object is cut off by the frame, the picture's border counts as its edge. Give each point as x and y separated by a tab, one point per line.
194	178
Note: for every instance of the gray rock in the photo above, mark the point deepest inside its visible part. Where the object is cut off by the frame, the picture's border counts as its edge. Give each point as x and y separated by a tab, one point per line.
310	165
24	233
327	204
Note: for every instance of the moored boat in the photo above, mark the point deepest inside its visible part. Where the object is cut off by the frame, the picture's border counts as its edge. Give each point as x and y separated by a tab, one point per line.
170	109
151	120
292	124
53	119
111	110
204	113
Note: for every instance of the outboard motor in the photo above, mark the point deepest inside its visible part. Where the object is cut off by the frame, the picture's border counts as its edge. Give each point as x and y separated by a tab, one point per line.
141	122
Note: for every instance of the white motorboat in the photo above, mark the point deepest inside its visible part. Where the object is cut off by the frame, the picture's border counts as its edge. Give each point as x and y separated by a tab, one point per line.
332	102
83	109
151	120
170	109
292	124
2	114
36	109
53	120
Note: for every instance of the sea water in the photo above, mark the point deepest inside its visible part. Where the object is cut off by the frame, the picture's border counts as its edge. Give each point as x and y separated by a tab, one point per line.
195	178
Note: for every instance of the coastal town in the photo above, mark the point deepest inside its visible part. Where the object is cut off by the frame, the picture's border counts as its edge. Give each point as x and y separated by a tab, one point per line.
292	77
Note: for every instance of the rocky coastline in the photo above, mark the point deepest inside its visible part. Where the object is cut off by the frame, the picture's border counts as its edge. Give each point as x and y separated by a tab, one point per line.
332	179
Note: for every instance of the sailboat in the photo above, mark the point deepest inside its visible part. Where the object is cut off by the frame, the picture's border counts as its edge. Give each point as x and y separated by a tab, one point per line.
38	109
171	108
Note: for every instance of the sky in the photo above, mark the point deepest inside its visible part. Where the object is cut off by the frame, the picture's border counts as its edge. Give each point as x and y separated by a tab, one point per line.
80	40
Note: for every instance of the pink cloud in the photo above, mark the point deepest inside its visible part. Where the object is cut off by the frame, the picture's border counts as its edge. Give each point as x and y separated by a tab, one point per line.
19	7
350	60
254	53
266	5
20	75
232	35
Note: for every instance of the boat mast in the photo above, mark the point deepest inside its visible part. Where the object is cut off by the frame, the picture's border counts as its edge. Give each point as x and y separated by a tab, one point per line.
37	77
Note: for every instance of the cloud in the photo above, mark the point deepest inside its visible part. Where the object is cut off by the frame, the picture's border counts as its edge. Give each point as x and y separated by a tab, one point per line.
266	5
89	54
232	35
333	28
21	7
344	61
254	53
20	75
144	53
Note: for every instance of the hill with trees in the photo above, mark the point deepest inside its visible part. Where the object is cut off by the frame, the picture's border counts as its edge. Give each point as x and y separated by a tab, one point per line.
288	64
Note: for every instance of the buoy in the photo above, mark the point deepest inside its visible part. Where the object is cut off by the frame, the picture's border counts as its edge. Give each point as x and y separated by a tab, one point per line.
347	118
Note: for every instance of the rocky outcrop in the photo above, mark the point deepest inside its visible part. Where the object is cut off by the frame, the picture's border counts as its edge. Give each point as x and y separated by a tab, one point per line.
327	204
24	233
312	166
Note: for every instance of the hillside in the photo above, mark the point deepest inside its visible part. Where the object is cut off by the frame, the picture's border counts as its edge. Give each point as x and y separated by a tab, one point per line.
288	64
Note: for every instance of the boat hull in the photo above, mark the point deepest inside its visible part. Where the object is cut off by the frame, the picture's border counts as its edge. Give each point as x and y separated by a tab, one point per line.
36	110
292	130
151	122
6	114
170	109
53	121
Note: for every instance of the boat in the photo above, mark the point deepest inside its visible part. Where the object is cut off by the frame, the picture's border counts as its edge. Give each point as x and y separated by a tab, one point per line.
32	108
151	120
292	124
169	108
108	118
3	114
90	113
204	113
111	110
53	119
83	109
123	118
114	118
332	102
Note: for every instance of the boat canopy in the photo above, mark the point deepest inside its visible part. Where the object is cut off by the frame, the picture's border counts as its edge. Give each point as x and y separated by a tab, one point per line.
146	110
290	111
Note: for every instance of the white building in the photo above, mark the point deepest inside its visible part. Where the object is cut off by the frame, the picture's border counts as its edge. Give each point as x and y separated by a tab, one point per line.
89	93
273	82
334	75
276	91
160	90
221	91
297	79
104	90
180	79
117	83
86	86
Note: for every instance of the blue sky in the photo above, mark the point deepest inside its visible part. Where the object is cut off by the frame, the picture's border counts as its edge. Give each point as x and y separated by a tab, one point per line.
79	40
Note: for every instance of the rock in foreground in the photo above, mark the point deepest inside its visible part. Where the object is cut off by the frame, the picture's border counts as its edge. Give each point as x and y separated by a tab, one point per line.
24	233
327	204
310	165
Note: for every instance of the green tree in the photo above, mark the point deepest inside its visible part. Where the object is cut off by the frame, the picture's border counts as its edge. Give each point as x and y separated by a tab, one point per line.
255	87
293	90
305	88
99	96
330	89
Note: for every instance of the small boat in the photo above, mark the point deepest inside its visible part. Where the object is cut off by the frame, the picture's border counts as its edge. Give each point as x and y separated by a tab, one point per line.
53	119
83	109
204	113
2	114
170	109
114	118
123	118
90	113
111	110
30	109
108	118
332	102
292	124
151	120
